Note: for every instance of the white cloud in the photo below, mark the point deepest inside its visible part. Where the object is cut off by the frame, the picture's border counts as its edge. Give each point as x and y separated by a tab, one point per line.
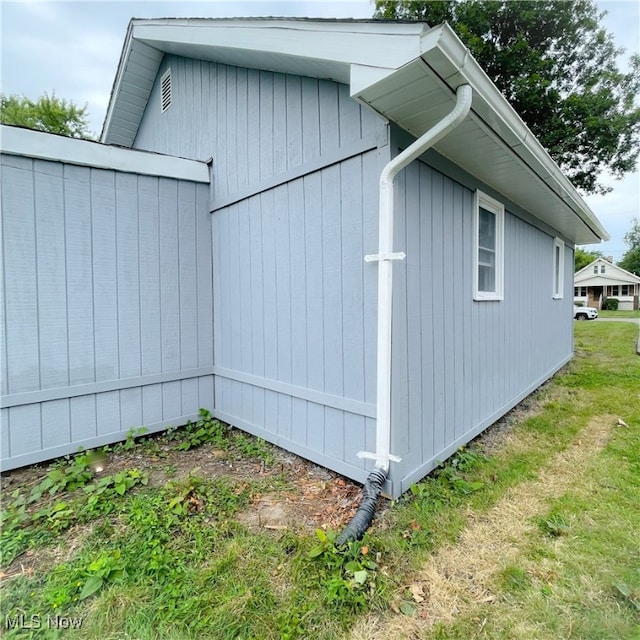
616	210
74	48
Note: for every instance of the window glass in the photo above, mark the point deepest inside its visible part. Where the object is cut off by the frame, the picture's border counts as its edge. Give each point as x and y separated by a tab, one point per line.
558	269
488	248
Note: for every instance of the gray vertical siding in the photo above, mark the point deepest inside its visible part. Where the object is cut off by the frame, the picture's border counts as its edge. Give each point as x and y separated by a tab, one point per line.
295	313
458	365
294	211
294	202
254	124
133	300
107	306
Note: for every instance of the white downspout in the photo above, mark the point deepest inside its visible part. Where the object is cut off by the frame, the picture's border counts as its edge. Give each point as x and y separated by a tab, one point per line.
385	257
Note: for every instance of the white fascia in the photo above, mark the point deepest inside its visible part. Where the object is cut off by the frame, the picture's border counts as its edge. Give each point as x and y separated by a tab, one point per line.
454	63
345	43
117	83
288	45
47	146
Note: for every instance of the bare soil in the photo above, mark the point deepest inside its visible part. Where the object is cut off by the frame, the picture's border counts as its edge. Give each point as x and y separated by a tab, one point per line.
312	497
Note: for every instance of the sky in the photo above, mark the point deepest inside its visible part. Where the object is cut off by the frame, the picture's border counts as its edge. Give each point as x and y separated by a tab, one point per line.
73	48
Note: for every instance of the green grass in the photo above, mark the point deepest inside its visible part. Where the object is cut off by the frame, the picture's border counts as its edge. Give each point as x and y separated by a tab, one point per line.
176	562
578	572
619	314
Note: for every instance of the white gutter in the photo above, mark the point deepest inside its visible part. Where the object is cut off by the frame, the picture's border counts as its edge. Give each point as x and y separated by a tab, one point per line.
385	257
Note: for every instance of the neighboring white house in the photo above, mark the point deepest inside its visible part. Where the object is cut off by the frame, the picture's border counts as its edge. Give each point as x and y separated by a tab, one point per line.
600	280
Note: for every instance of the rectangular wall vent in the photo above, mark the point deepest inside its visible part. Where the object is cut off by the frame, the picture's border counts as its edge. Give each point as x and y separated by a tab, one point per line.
165	91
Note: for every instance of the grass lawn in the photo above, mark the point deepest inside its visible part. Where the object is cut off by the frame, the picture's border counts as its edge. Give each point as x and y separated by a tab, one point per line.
619	314
531	532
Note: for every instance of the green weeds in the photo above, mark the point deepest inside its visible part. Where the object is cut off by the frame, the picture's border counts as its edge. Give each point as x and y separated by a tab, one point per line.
206	430
69	494
175	561
348	574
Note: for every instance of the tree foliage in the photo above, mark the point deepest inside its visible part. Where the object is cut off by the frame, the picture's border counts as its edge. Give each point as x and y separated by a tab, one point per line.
582	258
631	259
558	67
47	113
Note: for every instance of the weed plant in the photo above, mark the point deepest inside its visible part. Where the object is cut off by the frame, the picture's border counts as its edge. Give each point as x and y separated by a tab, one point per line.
176	562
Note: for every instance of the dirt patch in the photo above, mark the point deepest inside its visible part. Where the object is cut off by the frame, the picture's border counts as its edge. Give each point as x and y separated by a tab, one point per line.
43	559
311	496
462	575
311	504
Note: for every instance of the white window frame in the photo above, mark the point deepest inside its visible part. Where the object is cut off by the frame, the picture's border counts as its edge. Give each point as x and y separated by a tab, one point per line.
497	208
558	267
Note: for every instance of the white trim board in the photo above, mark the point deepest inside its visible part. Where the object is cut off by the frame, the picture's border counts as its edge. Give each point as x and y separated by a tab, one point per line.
86	153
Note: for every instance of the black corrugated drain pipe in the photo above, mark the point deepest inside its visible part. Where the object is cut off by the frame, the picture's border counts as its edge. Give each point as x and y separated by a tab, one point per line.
364	515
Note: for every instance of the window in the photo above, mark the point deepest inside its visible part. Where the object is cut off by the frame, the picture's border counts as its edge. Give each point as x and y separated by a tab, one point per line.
615	290
165	90
558	269
488	248
601	268
595	268
627	289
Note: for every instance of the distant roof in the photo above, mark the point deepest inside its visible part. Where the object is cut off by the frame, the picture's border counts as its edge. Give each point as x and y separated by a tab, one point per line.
613	274
406	71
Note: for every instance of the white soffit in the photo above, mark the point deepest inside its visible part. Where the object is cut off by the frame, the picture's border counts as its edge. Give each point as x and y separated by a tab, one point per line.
493	143
406	72
47	146
314	48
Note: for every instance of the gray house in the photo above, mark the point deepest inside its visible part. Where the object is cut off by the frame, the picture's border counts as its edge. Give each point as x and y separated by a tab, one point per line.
260	234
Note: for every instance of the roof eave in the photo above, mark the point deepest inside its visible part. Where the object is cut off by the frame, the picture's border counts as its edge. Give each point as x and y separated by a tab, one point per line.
275	37
372	58
494	100
41	145
132	48
450	64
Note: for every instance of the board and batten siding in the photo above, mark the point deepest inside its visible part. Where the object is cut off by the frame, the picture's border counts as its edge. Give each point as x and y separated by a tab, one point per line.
458	364
255	125
294	200
107	306
294	211
295	313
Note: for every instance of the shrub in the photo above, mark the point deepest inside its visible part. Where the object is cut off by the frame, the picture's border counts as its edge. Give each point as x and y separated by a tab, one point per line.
611	304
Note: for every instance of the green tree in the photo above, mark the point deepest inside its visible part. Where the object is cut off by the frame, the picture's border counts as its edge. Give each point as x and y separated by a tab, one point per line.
582	258
47	113
558	67
631	259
